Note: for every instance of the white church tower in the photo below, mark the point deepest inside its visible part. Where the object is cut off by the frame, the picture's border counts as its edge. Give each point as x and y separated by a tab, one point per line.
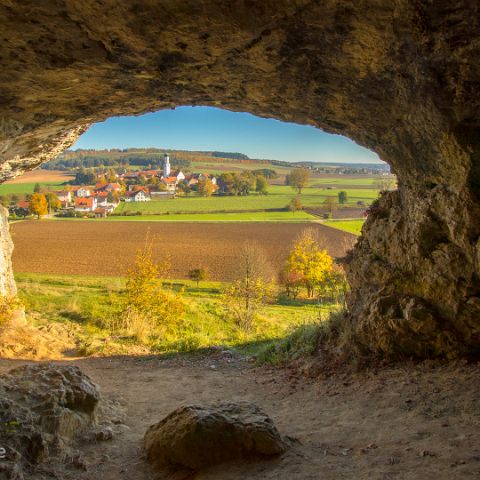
166	165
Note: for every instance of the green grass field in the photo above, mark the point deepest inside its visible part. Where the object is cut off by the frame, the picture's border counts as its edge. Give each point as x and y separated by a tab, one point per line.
274	217
352	226
340	180
8	189
278	197
87	303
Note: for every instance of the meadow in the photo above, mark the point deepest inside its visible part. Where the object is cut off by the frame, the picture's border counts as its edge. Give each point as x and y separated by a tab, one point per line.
48	180
24	188
86	305
278	197
351	226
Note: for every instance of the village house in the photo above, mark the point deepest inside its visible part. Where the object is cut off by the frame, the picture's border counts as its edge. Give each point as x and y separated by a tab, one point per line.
83	192
108	187
102	199
136	188
170	183
205	176
65	196
130	176
149	173
85	204
103	212
137	196
179	175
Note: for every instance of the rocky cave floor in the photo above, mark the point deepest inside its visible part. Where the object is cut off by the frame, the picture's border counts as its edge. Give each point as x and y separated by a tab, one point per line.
402	422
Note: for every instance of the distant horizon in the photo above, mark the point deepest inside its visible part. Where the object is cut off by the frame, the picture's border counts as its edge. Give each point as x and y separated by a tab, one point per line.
199	128
222	151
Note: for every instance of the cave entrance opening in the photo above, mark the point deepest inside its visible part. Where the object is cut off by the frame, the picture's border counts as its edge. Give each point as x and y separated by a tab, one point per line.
104	166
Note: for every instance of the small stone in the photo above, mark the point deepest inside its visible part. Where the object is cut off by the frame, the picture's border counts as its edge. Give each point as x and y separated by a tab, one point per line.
427	453
104	434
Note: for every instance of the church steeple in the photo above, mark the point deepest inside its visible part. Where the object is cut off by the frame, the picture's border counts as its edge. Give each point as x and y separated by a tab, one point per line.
166	165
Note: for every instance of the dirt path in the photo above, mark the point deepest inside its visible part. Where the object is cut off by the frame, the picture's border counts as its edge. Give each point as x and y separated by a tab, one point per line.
402	423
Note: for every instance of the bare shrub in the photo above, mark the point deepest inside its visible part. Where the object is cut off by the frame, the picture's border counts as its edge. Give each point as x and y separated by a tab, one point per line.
246	296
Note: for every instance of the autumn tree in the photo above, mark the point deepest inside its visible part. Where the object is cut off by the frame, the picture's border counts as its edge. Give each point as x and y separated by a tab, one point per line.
205	187
309	261
198	275
298	179
331	204
261	185
293	282
38	205
335	285
53	202
245	298
342	197
295	205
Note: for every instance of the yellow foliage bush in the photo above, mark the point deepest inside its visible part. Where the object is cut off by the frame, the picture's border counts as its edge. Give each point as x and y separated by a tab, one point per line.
309	261
8	306
147	305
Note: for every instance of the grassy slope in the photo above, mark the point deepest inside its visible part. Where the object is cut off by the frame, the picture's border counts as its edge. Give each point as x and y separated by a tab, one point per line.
352	226
86	302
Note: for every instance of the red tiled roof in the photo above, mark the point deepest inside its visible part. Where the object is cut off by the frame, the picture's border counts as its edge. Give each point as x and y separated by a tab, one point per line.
84	202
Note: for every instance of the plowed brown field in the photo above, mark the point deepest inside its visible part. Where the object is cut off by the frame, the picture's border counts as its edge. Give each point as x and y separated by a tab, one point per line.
107	248
40	175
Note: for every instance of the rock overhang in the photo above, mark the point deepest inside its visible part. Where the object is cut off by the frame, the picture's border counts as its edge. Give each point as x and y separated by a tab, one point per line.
400	78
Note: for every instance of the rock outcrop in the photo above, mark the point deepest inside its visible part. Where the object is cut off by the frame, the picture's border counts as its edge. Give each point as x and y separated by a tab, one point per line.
7	282
43	409
196	437
399	77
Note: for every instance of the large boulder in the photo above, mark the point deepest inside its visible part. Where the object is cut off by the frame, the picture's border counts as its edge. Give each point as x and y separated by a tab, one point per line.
197	437
43	408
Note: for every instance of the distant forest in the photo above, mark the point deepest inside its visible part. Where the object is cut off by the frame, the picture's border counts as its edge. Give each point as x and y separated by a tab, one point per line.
141	157
153	157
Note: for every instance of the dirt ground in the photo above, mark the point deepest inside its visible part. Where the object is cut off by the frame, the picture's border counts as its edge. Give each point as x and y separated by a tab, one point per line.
404	422
108	248
41	175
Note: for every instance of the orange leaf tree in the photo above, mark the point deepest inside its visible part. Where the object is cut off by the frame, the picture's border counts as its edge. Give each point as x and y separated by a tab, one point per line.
38	205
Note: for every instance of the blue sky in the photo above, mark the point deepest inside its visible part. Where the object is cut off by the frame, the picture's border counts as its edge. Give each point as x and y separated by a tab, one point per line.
207	128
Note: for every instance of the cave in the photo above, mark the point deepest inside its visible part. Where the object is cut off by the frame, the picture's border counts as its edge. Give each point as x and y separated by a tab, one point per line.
400	78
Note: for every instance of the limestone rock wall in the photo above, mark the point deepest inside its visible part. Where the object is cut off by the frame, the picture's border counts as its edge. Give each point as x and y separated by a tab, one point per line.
400	77
7	282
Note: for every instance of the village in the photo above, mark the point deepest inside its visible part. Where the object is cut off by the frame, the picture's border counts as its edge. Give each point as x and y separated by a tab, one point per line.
101	199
